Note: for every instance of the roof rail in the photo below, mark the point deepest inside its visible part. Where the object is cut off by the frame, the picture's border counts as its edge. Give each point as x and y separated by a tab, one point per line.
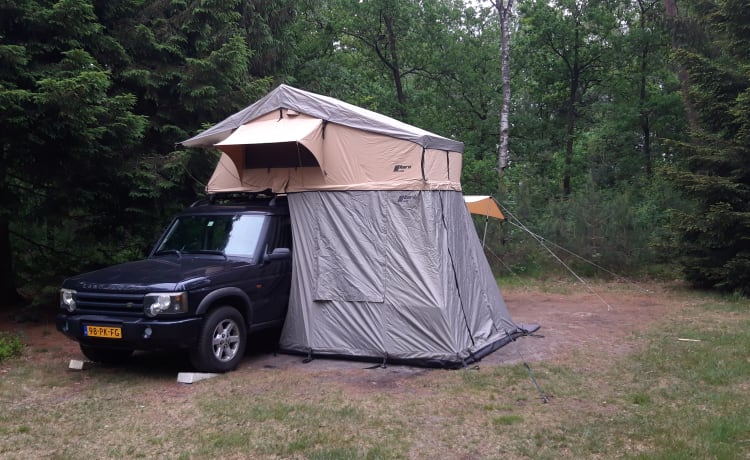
235	198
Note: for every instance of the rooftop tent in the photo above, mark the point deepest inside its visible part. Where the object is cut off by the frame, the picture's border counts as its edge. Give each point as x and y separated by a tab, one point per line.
294	141
387	262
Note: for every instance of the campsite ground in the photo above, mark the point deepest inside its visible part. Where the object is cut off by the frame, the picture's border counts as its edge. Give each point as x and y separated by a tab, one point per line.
574	319
275	406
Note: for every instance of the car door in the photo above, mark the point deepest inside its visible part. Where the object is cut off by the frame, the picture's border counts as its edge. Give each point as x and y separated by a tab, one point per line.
276	274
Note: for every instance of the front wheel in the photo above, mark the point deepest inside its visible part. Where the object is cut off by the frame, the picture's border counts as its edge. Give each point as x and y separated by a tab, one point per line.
222	341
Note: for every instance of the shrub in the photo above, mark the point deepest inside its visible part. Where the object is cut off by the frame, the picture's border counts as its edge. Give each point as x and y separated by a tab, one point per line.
10	346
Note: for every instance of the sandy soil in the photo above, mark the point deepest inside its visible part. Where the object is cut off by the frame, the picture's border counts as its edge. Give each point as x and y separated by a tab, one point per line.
574	319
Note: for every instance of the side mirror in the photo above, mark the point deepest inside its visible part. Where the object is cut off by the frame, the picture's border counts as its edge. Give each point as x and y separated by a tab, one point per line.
278	254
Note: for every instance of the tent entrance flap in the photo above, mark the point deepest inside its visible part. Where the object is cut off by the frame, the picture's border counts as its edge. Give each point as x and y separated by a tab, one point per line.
278	143
282	155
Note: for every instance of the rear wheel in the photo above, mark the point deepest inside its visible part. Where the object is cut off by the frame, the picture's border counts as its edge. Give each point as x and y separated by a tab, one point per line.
106	355
222	341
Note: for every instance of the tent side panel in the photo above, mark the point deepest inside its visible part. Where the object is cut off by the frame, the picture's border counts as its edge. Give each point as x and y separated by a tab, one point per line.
299	322
350	247
226	176
484	308
441	304
314	321
416	317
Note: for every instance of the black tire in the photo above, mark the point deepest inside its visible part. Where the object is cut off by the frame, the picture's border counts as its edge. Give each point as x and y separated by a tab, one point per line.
106	355
222	341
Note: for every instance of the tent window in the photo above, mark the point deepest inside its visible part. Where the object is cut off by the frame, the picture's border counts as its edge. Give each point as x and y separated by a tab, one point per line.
278	155
350	253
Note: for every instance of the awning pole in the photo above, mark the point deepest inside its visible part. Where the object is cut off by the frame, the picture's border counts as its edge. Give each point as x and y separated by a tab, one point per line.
486	221
484	237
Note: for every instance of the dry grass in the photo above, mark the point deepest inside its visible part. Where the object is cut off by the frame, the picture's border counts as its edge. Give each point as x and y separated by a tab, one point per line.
667	399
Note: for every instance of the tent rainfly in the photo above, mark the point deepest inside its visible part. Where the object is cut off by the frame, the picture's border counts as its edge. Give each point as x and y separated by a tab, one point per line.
483	205
387	263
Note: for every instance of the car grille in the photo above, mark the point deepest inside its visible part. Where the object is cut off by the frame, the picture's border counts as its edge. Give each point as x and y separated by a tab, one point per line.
109	302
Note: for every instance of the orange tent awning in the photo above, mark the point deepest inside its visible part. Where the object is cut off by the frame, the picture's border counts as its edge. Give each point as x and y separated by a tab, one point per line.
483	205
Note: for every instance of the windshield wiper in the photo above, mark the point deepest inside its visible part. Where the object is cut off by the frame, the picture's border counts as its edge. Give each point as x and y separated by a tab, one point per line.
168	251
217	252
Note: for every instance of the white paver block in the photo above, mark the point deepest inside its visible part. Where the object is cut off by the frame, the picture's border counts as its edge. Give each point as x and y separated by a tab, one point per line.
192	377
78	365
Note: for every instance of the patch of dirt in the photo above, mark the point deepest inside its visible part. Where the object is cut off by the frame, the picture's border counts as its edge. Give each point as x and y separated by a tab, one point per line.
601	321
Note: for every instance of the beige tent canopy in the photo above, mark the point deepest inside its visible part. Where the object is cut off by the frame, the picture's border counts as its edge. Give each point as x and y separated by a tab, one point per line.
293	140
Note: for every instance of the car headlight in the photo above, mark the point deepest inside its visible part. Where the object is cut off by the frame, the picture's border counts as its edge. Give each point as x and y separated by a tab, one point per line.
68	299
165	303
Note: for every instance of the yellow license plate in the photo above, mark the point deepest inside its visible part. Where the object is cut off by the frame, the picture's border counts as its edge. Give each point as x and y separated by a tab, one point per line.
104	332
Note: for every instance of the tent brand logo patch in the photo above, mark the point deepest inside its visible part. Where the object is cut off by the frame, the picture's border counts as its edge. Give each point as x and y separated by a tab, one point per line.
401	168
405	198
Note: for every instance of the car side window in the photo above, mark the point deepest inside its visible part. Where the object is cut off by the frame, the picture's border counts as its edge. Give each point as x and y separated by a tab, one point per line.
281	236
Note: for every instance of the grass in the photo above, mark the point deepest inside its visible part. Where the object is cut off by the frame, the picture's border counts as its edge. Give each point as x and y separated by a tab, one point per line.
671	399
10	346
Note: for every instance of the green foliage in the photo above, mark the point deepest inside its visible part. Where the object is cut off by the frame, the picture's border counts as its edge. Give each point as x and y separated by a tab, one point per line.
620	229
344	50
714	243
10	346
67	133
95	95
93	98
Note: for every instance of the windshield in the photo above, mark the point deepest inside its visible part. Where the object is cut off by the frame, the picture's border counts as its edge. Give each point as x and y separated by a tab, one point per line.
230	235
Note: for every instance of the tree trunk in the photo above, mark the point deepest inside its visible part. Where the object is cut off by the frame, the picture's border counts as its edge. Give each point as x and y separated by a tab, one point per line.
645	122
505	12
394	65
643	96
571	119
8	293
569	139
670	10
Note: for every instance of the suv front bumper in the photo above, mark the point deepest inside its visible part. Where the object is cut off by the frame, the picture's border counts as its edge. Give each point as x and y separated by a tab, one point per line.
136	333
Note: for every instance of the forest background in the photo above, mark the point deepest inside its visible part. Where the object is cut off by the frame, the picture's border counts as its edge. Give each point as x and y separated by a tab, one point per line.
629	120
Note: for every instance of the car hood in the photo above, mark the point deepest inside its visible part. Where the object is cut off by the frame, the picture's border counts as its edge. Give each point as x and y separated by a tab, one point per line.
160	274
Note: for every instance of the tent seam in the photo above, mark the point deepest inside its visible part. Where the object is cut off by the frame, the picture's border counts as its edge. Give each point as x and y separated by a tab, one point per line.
453	268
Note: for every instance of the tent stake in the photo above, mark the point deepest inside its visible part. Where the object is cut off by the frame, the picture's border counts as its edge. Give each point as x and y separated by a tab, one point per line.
545	399
536	384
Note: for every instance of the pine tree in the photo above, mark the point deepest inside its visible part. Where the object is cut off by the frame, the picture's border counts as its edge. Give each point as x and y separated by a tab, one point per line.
64	131
714	243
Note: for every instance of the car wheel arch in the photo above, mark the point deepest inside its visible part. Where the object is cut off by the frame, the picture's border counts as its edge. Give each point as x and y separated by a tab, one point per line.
230	296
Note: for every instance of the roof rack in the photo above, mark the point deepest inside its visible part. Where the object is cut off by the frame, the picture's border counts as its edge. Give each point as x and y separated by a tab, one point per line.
237	198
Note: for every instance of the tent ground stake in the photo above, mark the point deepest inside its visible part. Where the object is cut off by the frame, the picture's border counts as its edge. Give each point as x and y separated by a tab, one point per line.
545	399
381	365
544	396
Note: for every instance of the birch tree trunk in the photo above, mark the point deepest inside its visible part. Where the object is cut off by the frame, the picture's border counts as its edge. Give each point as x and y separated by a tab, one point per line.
505	11
671	12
